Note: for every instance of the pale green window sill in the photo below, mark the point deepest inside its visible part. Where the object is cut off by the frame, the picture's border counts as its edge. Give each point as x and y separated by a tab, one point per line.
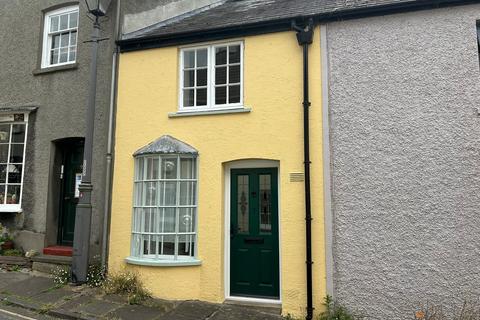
163	263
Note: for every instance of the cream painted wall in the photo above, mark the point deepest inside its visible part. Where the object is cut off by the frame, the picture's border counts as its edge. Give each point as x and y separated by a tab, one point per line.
148	91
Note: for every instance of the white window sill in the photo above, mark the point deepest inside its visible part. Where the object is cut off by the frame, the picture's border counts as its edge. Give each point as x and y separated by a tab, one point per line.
10	208
204	112
163	263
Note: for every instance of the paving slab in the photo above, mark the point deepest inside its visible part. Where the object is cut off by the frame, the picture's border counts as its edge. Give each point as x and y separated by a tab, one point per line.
98	307
134	312
7	278
53	296
76	302
192	310
232	312
29	287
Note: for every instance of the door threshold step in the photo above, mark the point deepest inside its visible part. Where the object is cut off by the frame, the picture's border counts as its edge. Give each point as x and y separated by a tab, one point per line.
58	251
46	258
273	307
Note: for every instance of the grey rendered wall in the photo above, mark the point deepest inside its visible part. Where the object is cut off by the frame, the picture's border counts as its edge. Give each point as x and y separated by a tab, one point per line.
405	160
61	100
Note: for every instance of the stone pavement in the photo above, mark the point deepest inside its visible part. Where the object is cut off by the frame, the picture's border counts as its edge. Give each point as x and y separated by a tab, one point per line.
39	293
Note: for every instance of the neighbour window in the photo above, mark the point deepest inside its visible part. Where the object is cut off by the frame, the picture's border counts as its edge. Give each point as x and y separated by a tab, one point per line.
211	77
60	37
165	207
13	136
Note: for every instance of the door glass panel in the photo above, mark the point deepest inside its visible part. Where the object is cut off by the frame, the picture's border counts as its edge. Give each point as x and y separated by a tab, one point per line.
243	205
265	203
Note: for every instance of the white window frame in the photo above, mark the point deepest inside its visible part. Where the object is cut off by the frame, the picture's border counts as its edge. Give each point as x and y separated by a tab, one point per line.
159	259
211	78
8	119
47	38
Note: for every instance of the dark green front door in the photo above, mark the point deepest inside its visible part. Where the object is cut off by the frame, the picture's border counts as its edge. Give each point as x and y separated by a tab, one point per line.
254	265
72	171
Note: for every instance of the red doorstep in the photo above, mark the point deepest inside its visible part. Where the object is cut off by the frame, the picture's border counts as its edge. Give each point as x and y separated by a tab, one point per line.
58	251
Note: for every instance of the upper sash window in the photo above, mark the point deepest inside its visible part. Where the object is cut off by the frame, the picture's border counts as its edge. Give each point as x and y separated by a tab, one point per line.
211	77
60	37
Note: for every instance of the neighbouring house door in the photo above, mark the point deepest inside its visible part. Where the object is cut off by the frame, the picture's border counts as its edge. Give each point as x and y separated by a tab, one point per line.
254	250
71	177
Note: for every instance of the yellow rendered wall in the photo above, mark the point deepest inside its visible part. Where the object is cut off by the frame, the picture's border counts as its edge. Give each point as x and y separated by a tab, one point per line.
273	89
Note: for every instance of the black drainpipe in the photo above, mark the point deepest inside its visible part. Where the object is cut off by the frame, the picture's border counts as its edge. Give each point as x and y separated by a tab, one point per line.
305	38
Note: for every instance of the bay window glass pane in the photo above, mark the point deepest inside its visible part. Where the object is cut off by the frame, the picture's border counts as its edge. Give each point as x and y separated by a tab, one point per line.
2	194
139	166
169	168
189	59
187	193
202	57
188	97
150	193
16	153
4	133
202	97
234	74
234	54
18	133
221	75
152	168
201	77
137	220
168	245
185	245
168	223
3	173
14	173
186	220
187	168
73	20
220	95
54	23
234	94
220	56
138	193
168	193
13	194
136	243
64	22
4	153
189	78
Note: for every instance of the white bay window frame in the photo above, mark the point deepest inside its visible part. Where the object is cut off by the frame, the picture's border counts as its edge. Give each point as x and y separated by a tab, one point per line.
48	36
139	254
211	104
11	120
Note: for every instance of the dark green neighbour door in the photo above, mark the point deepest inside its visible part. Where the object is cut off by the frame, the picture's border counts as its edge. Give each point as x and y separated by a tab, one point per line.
72	171
254	262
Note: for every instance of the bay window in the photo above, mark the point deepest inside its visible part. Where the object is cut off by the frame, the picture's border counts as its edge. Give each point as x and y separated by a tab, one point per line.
164	208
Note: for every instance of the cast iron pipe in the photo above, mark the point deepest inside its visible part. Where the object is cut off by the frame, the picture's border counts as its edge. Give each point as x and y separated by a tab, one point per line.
305	38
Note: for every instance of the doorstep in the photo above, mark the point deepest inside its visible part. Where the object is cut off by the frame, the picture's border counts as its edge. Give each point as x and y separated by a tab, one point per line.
58	251
266	307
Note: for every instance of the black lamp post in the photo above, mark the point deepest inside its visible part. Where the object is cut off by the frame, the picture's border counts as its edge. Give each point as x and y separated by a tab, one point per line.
83	217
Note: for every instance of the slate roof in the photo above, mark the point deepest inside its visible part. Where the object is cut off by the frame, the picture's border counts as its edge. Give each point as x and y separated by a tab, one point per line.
240	13
166	145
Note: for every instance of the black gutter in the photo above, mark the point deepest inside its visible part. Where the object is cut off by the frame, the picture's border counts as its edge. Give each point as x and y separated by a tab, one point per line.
278	25
305	38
